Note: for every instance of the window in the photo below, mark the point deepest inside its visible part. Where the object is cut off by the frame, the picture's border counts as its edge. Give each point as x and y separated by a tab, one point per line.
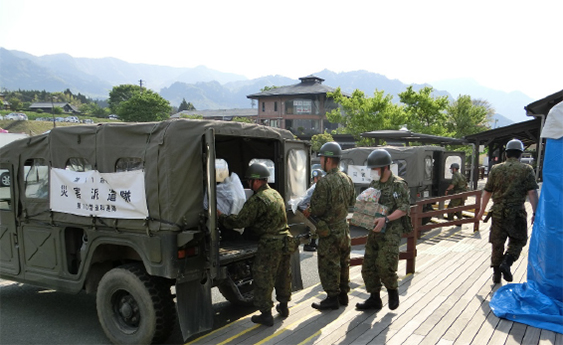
302	106
275	106
297	173
78	164
263	106
449	161
428	167
128	164
36	178
5	191
269	164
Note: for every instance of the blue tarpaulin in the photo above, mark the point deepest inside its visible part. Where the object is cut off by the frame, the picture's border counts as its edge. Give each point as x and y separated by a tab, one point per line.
539	301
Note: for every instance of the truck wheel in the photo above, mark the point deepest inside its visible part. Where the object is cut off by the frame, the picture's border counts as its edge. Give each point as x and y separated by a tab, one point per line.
5	179
134	307
240	294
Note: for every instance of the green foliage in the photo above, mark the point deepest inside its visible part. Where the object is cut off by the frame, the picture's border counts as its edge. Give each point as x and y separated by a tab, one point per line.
122	93
194	117
15	103
243	119
94	109
467	116
318	140
268	88
58	110
144	107
186	106
358	113
425	114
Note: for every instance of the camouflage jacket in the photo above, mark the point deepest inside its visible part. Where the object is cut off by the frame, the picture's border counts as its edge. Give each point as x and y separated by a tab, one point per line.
333	195
395	195
264	213
460	183
509	183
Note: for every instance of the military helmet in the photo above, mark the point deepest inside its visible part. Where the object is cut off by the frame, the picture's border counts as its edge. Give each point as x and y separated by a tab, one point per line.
379	158
317	173
454	166
257	171
515	144
330	149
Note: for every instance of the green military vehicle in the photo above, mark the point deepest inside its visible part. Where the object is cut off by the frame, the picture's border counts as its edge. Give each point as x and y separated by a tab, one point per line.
118	210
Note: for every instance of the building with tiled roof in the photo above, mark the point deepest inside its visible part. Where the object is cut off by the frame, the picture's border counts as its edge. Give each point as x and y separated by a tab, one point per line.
300	108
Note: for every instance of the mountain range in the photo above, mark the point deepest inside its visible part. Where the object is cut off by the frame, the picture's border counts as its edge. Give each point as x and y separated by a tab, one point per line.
210	89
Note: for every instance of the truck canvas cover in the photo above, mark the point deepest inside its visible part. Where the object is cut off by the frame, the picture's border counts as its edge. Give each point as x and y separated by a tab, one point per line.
170	153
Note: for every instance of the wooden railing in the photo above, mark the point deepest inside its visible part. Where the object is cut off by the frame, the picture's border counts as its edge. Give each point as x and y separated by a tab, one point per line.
417	215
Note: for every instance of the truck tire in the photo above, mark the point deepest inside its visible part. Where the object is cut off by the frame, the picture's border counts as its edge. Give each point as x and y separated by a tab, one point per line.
241	294
134	307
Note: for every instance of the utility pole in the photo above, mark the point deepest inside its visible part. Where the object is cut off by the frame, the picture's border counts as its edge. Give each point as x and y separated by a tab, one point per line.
141	84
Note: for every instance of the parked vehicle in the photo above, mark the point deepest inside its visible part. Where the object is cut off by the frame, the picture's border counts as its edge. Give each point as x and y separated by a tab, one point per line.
72	119
16	116
113	117
137	225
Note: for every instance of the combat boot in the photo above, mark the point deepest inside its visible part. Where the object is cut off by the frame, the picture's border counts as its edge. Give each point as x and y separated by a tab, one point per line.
496	275
373	302
283	309
327	303
505	267
393	299
343	298
265	318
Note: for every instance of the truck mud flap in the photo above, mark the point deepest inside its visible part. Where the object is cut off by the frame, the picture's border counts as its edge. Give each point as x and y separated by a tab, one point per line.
195	309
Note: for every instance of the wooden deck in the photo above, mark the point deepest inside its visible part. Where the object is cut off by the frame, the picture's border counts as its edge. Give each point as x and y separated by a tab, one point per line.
446	301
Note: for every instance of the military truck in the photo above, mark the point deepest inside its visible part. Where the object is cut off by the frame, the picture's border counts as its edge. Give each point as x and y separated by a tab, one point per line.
118	210
426	169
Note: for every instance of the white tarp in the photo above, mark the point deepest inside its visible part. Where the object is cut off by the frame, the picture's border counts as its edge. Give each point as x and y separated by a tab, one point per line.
91	193
553	127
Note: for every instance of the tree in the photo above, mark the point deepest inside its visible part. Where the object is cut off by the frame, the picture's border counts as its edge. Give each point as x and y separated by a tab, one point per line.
15	103
144	107
467	116
319	140
186	106
359	113
425	114
122	93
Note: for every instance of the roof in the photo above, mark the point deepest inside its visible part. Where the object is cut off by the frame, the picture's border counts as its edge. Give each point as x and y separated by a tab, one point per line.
310	85
241	112
528	132
542	106
408	136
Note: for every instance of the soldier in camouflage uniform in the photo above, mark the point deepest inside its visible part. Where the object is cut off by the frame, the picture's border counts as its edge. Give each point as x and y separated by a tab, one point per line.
509	183
458	185
330	201
381	258
264	213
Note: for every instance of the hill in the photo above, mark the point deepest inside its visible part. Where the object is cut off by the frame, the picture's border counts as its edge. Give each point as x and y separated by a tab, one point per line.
209	89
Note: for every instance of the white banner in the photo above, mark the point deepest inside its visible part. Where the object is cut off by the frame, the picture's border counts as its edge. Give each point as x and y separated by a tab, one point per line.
362	174
91	193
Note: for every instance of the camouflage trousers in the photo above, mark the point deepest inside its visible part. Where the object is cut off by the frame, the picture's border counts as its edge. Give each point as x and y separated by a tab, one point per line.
271	269
334	261
381	260
511	224
455	203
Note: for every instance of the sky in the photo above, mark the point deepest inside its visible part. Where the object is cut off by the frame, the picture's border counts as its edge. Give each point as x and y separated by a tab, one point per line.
505	45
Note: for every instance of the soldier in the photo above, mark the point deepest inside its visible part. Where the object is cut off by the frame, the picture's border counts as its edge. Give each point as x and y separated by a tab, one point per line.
264	213
332	197
458	185
509	183
381	257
